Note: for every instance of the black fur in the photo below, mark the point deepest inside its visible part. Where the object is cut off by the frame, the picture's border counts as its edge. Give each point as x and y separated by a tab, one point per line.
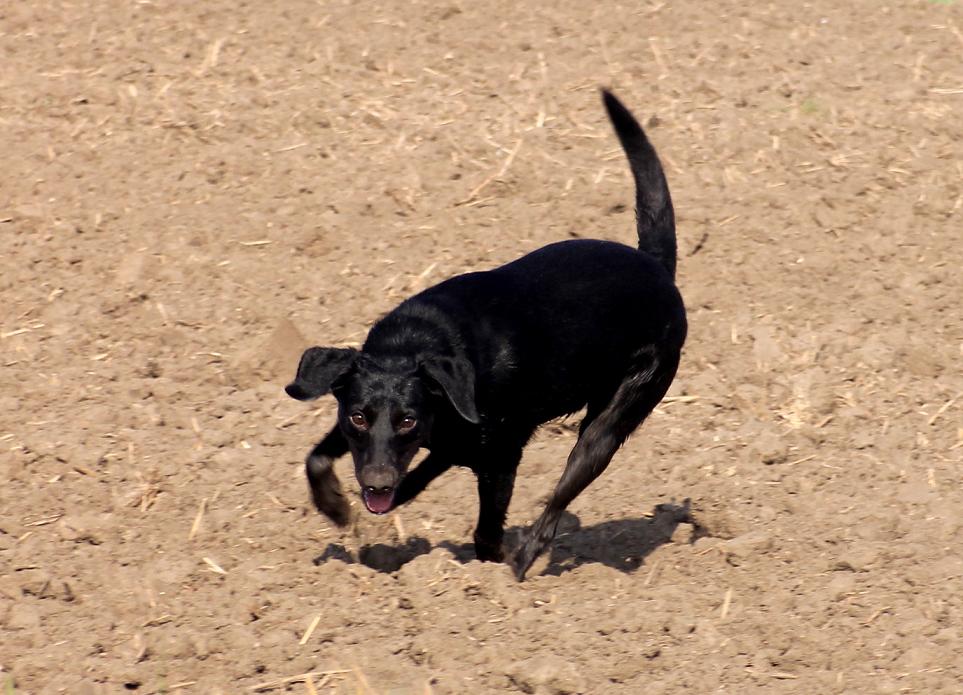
479	361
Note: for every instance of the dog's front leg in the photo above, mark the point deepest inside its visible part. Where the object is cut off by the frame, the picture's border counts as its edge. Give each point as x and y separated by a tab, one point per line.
494	494
325	486
420	477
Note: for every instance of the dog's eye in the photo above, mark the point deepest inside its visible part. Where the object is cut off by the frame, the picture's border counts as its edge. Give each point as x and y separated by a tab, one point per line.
407	424
359	421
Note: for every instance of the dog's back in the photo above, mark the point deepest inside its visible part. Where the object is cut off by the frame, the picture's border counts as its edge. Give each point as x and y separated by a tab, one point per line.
557	328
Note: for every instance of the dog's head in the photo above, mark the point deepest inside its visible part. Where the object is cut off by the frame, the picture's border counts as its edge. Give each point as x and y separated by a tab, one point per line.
386	408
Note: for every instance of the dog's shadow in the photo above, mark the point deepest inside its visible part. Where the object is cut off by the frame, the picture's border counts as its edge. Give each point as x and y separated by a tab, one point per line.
622	544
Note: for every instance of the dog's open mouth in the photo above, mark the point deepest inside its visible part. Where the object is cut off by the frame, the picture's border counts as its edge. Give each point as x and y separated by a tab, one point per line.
378	500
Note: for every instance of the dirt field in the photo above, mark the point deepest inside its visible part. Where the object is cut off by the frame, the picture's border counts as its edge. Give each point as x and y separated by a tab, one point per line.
191	193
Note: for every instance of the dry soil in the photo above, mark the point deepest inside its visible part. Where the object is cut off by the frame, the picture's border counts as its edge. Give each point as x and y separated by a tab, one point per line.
191	193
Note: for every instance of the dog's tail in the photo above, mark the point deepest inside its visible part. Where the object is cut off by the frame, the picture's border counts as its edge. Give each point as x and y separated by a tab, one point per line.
654	216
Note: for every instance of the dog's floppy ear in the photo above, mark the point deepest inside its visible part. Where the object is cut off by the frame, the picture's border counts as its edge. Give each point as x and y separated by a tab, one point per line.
456	377
318	370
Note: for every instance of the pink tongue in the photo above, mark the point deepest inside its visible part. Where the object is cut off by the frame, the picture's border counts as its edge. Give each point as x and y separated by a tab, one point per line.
378	502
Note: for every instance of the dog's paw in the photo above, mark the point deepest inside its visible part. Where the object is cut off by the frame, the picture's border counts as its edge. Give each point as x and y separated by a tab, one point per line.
333	505
329	500
489	553
531	546
523	558
519	566
326	491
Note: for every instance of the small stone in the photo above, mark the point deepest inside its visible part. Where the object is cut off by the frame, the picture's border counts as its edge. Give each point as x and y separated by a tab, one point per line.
547	675
858	559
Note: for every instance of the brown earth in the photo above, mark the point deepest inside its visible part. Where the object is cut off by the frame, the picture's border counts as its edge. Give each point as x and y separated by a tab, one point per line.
191	193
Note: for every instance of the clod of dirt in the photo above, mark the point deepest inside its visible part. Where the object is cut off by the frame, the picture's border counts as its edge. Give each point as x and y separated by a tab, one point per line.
218	437
922	360
841	585
768	448
683	534
424	568
718	523
23	616
915	493
131	268
546	675
42	584
765	349
746	545
751	398
81	528
858	559
274	358
9	404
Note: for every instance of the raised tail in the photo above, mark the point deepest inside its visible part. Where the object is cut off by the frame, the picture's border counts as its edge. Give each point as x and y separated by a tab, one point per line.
654	216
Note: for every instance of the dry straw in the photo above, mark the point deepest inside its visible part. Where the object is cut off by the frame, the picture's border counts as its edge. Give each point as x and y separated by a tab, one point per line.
325	676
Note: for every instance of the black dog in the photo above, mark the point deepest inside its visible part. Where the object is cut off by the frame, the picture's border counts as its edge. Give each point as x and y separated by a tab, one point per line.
471	367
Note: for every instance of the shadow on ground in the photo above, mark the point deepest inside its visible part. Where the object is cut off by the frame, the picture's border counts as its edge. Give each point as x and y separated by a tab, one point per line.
622	544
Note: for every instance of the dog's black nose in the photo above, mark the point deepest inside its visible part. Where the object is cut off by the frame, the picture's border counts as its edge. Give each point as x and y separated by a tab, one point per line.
378	478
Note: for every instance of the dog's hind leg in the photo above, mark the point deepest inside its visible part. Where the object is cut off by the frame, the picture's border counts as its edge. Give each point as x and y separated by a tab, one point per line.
598	441
323	481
